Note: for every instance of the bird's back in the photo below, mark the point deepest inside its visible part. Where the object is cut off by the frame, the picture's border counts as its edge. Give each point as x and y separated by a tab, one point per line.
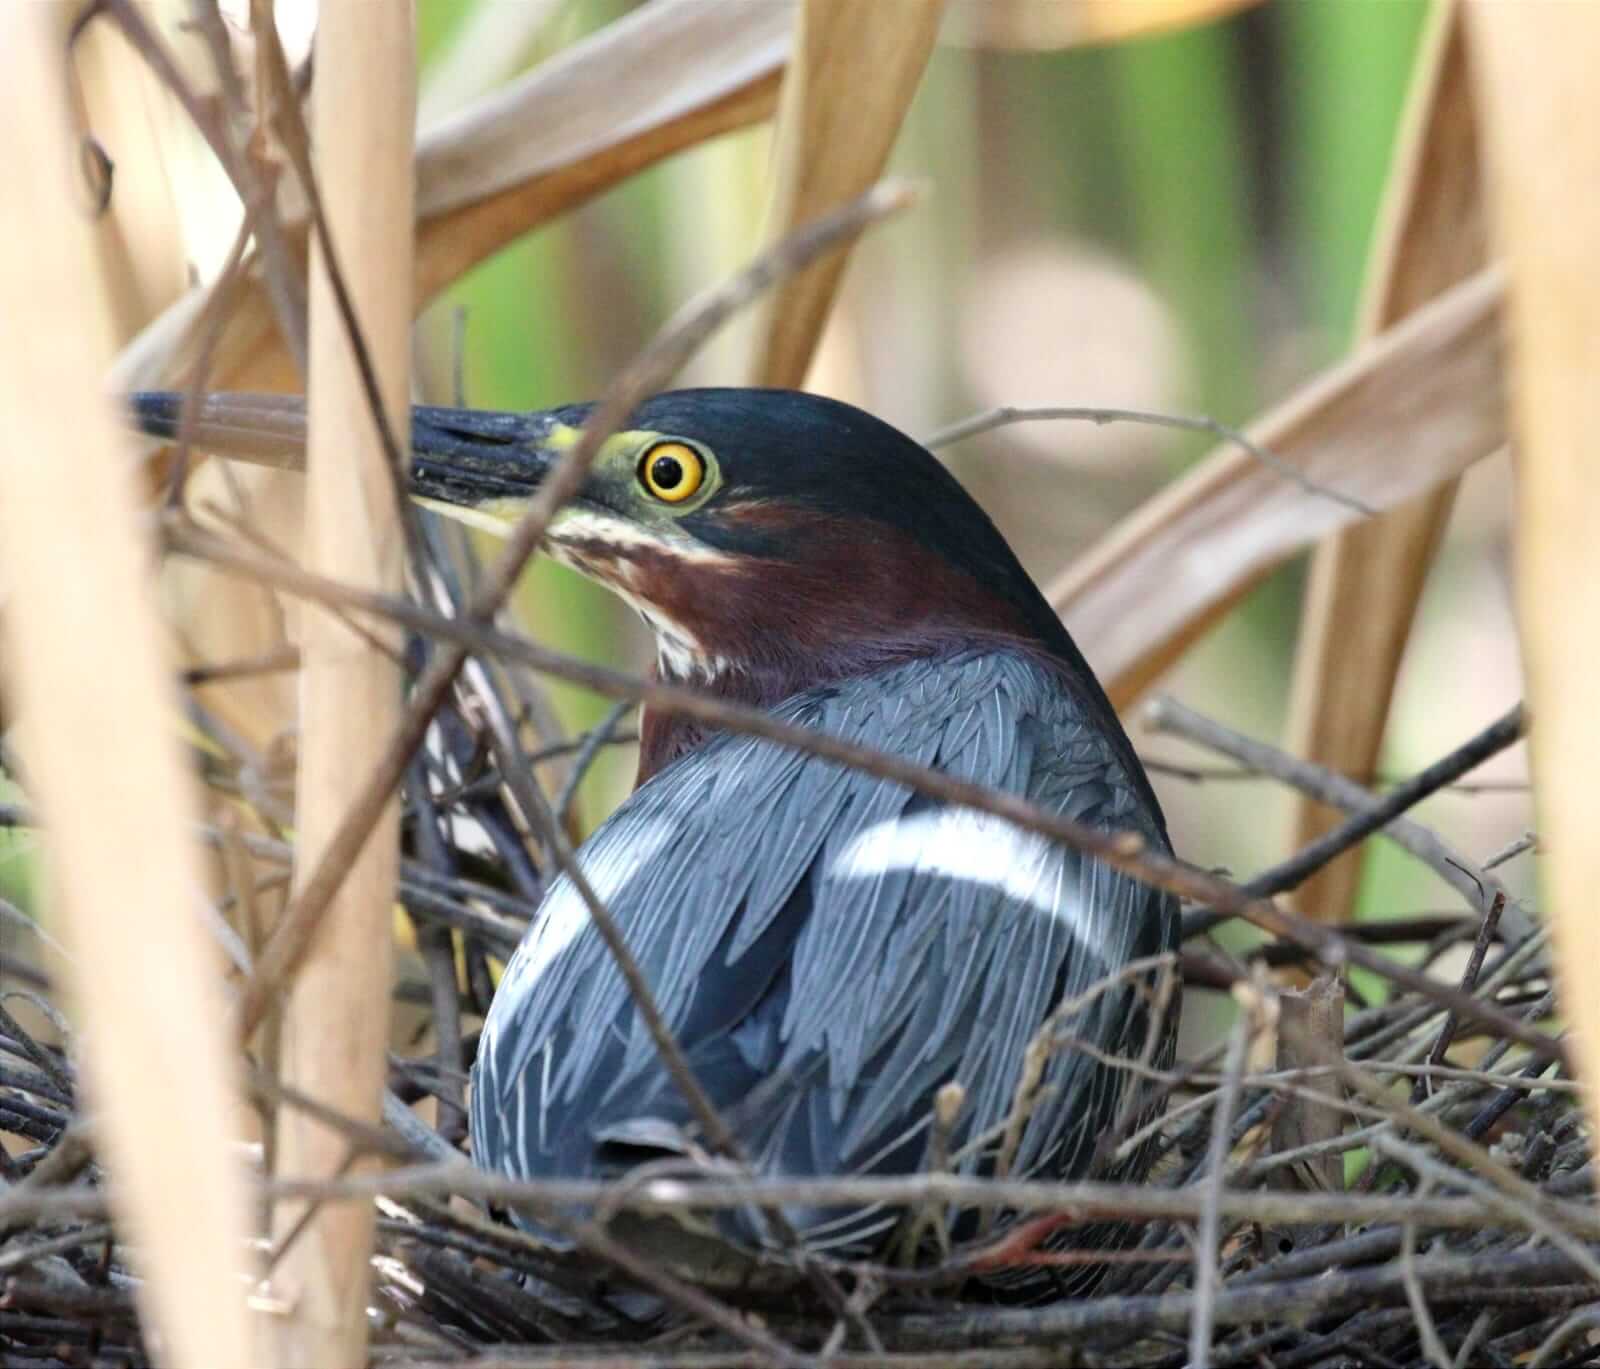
830	949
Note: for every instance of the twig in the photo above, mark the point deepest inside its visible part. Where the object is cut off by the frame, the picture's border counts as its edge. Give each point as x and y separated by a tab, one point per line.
1480	1326
1443	1277
594	1240
362	1137
627	1357
947	1104
1469	980
207	326
1208	1232
1375	1032
597	738
279	658
1168	715
68	1158
1366	1135
1140	1103
1004	415
1508	1096
438	951
1529	1205
1424	1165
1528	841
35	1052
1427	1332
1245	774
485	786
1500	734
1026	1097
1585	1319
302	1223
1084	1202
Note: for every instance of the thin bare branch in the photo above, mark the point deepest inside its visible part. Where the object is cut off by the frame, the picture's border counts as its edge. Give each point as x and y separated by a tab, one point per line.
1166	714
1006	415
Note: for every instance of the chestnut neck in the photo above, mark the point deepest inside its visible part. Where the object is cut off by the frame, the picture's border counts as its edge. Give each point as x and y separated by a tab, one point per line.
862	598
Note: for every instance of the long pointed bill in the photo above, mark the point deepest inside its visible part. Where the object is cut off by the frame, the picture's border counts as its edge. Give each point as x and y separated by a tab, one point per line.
467	459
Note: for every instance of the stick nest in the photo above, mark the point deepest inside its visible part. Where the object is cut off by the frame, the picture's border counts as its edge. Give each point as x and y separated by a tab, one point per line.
1384	1185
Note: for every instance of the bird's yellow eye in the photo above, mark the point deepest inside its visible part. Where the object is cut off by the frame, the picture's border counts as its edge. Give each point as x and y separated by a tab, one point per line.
672	471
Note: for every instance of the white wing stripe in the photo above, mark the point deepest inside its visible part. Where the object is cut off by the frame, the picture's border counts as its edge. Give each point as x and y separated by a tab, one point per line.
960	843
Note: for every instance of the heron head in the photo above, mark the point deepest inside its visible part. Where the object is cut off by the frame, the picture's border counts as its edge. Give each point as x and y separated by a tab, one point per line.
766	536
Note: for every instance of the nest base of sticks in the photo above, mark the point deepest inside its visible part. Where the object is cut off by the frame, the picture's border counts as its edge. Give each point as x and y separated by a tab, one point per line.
1390	1180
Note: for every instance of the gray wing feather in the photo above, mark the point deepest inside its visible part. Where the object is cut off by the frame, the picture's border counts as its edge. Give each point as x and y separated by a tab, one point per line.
914	943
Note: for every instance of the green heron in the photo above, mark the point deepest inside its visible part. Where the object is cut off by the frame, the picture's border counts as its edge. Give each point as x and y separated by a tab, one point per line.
830	949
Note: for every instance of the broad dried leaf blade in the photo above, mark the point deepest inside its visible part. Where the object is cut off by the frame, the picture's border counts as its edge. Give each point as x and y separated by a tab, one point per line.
1431	386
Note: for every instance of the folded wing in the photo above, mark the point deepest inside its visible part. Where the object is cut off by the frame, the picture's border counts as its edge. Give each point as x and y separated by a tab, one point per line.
830	949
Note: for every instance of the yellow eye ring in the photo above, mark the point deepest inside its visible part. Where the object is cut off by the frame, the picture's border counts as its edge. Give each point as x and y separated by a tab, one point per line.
672	471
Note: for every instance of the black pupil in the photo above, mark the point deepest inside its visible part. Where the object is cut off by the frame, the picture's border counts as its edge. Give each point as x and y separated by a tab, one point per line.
666	472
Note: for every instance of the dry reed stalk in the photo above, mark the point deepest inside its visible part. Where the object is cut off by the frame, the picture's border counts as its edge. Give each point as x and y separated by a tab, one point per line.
1535	72
1366	582
86	664
1431	385
845	94
336	1019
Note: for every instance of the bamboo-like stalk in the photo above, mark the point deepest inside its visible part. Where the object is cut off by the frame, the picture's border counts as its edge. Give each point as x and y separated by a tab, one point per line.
87	671
1534	66
1366	582
845	94
335	1023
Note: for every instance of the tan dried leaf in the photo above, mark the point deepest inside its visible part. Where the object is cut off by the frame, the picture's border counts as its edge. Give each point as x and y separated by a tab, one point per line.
1418	405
